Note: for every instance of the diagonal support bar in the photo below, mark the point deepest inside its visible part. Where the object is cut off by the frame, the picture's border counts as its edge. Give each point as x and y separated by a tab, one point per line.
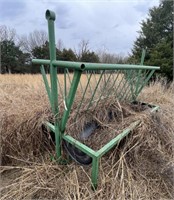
70	99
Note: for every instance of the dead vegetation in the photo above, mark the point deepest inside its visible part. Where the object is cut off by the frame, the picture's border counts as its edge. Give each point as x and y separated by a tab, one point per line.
110	117
140	167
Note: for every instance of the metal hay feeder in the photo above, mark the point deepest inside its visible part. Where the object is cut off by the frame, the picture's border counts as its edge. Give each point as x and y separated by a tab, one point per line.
102	81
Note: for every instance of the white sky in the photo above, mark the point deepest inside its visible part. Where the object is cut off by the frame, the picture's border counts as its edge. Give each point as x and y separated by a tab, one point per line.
109	25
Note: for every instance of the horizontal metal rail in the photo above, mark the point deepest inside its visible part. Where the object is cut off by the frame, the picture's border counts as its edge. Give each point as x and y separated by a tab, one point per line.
92	66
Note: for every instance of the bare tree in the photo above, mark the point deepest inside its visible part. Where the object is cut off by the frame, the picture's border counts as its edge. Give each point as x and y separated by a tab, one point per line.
34	39
111	58
83	47
7	33
60	45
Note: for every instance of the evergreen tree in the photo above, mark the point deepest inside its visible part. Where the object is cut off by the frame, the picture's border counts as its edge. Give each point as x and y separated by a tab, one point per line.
13	60
89	57
68	55
40	52
157	36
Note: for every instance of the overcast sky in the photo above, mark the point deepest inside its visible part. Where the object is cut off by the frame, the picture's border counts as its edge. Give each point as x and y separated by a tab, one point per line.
109	25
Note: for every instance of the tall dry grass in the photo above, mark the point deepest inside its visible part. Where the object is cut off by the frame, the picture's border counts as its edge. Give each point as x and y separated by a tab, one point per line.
141	167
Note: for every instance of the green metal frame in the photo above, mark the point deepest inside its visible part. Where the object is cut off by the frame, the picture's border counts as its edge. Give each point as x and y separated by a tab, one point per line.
53	93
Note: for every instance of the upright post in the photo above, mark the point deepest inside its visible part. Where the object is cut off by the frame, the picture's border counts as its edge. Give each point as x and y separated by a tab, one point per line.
50	16
143	56
140	72
95	169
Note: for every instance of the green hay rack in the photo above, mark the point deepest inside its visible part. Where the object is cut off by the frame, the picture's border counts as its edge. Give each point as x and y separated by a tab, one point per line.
102	81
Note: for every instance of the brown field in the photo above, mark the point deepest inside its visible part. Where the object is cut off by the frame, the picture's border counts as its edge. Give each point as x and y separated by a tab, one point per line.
142	168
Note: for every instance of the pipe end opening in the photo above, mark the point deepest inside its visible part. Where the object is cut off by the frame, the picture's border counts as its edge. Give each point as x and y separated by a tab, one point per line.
50	15
82	67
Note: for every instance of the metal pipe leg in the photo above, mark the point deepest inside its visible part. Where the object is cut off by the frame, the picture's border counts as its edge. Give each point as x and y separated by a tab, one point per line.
58	142
95	169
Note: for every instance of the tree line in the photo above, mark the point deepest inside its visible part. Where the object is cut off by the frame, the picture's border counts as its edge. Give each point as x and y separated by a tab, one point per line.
17	52
155	35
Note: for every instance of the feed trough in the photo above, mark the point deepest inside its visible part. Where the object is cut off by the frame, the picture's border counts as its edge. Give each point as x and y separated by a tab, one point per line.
90	90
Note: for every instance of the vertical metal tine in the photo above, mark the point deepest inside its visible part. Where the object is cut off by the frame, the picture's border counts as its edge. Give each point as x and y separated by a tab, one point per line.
122	88
65	86
83	97
95	89
129	92
65	90
148	76
132	87
127	89
140	71
103	90
81	86
115	93
132	95
47	87
112	86
140	83
69	76
134	81
95	77
59	86
89	82
70	99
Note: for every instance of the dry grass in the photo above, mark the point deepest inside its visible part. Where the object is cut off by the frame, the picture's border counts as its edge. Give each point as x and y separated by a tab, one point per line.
141	167
122	114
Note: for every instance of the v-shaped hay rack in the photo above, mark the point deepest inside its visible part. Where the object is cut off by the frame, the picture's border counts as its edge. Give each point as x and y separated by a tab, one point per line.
87	85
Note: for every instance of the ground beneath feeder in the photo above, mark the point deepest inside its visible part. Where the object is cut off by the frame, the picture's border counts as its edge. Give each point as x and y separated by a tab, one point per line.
96	128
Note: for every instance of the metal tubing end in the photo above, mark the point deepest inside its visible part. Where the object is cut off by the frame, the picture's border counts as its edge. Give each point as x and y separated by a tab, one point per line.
50	15
82	67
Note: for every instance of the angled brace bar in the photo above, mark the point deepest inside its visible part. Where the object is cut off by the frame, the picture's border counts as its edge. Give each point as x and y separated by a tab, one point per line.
70	99
46	84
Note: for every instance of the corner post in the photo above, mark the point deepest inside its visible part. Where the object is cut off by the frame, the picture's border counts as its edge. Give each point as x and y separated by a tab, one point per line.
50	16
95	170
140	72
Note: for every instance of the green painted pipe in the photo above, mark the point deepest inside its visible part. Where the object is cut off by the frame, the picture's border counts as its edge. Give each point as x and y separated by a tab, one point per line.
92	66
65	64
50	16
